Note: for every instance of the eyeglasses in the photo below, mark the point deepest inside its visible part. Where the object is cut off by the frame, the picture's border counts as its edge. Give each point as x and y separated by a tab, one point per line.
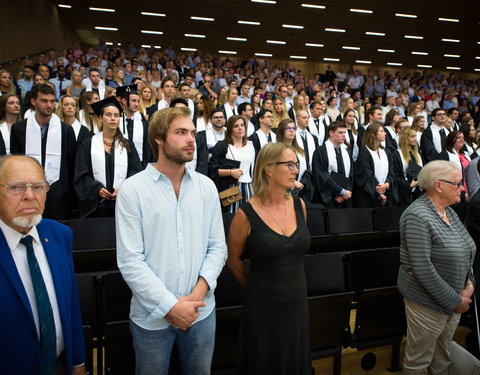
441	114
208	81
20	189
457	184
269	116
290	164
290	128
218	117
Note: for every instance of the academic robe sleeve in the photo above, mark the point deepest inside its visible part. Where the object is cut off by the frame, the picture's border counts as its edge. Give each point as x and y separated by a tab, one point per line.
364	180
134	163
326	187
17	138
202	153
402	183
147	150
427	147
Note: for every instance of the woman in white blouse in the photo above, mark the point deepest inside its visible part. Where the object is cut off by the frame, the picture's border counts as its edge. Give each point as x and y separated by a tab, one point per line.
9	115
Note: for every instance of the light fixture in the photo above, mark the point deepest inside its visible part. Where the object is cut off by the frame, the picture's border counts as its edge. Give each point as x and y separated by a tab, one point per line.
413	37
264	1
109	43
157	47
313	6
477	57
451	40
334	30
102	9
363	61
298	57
386	50
453	67
153	14
236	39
276	42
374	33
351	48
406	15
314	45
448	19
106	28
202	18
419	53
64	6
424	66
394	64
330	59
146	46
188	49
477	70
195	36
255	23
286	26
152	32
367	11
263	54
227	52
449	55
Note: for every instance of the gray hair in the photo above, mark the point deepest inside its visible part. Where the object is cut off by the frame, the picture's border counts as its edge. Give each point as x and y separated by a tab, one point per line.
434	171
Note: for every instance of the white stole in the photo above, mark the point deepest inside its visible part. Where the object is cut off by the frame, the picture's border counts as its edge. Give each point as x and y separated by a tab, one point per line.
53	151
212	140
76	128
191	107
392	132
101	91
455	159
229	110
437	141
162	104
332	157
250	128
380	164
83	120
97	152
310	144
264	138
200	125
319	131
137	138
303	165
6	136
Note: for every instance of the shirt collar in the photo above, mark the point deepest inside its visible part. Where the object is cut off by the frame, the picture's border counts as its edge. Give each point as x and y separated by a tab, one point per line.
13	237
155	174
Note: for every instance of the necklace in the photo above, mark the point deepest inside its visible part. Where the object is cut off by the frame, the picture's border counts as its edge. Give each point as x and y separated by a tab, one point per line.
442	216
107	144
276	222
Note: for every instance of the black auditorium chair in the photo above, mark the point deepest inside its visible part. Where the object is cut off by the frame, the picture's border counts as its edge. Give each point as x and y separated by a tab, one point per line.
329	307
94	244
320	241
387	221
352	229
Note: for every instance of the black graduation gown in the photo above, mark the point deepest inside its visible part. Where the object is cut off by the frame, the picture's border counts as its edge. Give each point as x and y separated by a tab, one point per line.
3	148
87	188
151	110
405	196
202	153
147	156
61	194
364	194
427	147
391	145
326	189
83	134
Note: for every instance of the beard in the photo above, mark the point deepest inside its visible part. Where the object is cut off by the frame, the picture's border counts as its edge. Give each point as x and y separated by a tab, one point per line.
176	155
27	221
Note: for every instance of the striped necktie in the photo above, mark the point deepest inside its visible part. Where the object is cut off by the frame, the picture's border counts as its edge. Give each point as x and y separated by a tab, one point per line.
48	338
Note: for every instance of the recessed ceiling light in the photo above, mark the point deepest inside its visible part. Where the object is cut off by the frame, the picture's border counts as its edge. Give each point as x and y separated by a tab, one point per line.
394	63
334	30
477	70
448	19
292	26
453	67
106	28
64	6
228	52
419	53
157	47
313	6
451	40
363	61
202	18
249	23
236	39
195	36
424	66
314	45
386	50
477	57
109	43
152	32
405	15
263	54
352	48
146	45
298	57
361	11
276	42
449	55
188	49
330	59
153	14
413	37
103	9
374	33
264	1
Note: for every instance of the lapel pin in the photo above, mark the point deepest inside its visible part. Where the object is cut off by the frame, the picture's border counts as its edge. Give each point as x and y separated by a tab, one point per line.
46	239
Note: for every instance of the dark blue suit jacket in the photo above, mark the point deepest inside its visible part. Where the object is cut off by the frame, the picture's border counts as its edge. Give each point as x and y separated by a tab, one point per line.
19	343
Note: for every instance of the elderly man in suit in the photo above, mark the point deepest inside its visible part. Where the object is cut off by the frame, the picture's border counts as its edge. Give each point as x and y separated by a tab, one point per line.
40	322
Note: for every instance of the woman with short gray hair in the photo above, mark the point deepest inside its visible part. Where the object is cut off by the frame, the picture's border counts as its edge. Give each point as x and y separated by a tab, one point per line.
436	256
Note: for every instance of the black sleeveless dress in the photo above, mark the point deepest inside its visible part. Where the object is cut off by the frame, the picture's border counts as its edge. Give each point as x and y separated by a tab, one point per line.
274	333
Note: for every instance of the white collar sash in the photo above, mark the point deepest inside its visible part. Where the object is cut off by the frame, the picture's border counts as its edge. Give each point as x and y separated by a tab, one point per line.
137	132
120	156
332	157
380	163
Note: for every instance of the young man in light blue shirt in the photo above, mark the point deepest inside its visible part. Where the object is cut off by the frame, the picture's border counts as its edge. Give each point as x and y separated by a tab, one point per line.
170	250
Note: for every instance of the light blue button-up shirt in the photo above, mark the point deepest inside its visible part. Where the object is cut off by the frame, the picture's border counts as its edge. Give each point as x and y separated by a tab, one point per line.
165	244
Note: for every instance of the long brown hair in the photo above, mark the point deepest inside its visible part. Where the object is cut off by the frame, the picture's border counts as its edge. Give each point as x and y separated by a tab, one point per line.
230	124
281	134
3	105
369	139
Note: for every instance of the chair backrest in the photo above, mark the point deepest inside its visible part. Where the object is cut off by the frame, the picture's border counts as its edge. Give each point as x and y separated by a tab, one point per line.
350	220
316	222
228	291
93	233
116	297
324	273
388	218
86	285
226	353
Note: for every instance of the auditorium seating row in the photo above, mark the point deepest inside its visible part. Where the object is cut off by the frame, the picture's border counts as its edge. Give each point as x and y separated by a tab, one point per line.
337	282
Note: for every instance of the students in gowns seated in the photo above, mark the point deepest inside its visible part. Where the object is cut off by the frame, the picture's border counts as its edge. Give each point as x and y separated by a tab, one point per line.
373	174
133	124
44	137
332	168
9	115
67	111
104	162
264	134
407	163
